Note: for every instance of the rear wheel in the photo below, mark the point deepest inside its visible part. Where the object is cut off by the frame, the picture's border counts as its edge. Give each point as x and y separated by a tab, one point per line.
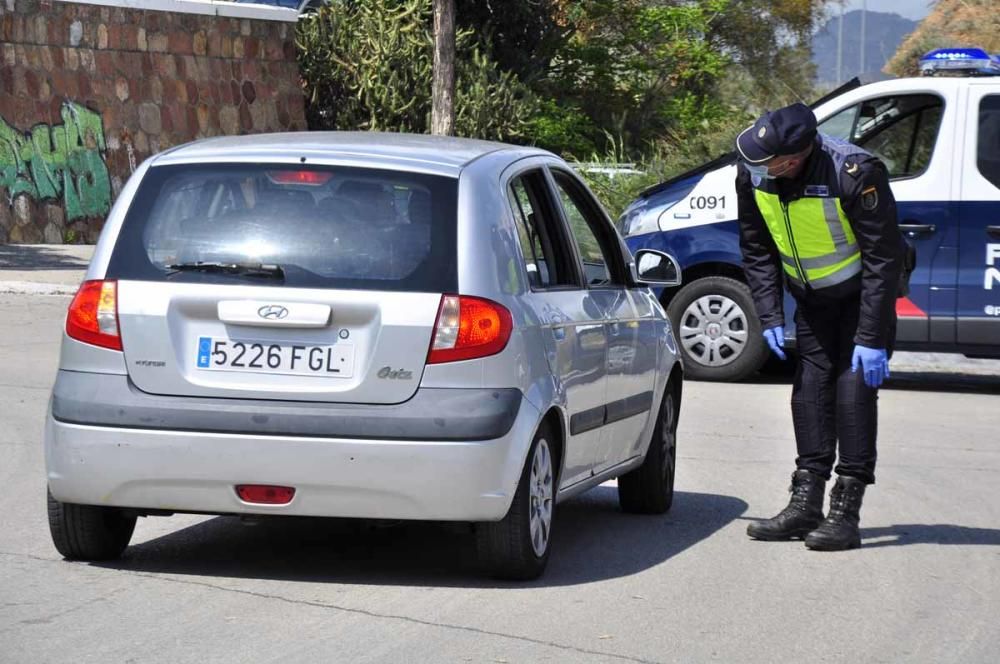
649	489
517	547
89	532
717	329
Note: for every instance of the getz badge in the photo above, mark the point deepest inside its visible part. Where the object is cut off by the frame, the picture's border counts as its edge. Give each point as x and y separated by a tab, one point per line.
394	374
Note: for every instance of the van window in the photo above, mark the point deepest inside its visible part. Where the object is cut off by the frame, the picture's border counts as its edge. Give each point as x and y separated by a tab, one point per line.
841	124
901	131
988	139
325	227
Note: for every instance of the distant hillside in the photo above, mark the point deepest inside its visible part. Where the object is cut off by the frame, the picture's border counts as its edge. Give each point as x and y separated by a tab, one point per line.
883	35
951	23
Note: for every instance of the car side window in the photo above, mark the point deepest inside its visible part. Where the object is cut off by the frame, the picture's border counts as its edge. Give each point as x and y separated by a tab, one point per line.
592	233
546	258
900	130
988	139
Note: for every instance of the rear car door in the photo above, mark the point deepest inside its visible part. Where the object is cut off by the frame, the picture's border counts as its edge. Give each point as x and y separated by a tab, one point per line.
279	281
913	134
979	253
630	380
572	317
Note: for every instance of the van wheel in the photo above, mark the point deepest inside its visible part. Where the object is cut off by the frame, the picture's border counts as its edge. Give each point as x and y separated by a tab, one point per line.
517	547
89	532
717	330
649	489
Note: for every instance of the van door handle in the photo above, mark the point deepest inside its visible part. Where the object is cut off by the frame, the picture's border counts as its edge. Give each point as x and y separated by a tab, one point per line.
993	232
913	229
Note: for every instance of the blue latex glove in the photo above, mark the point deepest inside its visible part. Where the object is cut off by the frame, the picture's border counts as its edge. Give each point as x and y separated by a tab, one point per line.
874	362
775	338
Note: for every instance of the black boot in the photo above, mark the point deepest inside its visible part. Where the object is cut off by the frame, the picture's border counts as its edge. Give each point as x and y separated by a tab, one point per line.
803	514
840	530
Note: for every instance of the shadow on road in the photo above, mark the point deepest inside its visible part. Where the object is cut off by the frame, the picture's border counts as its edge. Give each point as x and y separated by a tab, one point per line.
957	383
919	533
30	258
593	541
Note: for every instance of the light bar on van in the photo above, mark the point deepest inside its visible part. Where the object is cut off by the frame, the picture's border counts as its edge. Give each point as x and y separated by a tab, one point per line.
972	60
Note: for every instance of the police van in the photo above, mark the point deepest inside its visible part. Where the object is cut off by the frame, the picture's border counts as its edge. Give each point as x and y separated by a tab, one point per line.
939	137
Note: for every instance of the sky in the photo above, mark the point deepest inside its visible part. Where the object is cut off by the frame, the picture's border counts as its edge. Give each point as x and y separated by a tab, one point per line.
911	9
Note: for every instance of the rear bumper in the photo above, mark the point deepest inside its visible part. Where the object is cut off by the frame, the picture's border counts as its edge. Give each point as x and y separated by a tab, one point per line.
431	414
196	471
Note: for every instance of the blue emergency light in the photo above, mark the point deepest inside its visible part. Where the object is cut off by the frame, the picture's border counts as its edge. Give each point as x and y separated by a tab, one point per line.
974	61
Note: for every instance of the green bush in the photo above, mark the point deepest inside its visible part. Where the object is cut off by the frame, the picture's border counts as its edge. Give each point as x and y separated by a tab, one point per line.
561	128
369	66
678	152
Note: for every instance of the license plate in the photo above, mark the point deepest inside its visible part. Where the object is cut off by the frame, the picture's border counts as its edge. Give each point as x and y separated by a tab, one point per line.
332	361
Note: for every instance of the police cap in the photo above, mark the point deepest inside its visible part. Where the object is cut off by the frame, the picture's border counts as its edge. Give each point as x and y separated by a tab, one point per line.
788	130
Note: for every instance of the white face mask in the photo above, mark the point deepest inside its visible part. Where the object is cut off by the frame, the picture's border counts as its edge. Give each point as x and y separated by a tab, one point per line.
759	172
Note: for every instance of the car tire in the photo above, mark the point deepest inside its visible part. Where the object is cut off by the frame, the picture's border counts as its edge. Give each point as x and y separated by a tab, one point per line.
509	548
89	532
710	316
649	489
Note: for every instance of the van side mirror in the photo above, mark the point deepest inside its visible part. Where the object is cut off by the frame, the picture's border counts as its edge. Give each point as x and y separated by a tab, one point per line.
655	268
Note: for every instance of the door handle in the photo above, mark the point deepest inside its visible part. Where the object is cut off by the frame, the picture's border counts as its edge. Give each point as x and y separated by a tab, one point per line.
993	232
913	229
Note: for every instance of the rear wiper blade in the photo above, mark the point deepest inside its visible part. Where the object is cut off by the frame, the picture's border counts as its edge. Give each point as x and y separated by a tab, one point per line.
248	269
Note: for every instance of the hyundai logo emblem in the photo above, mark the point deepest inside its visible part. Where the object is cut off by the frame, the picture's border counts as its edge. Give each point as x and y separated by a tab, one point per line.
272	312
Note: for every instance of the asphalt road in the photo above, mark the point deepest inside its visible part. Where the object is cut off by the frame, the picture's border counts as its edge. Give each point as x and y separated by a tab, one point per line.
688	587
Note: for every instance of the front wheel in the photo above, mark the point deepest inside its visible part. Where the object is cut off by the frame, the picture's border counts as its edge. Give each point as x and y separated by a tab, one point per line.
649	489
517	547
717	330
89	532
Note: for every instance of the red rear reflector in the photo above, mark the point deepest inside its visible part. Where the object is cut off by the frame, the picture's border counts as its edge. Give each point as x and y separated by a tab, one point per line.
468	328
93	315
300	177
265	494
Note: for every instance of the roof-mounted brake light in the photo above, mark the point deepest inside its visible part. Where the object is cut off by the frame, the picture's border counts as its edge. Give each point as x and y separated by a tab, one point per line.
313	178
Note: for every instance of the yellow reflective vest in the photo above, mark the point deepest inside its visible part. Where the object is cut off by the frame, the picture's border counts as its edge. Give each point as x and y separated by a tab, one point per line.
814	237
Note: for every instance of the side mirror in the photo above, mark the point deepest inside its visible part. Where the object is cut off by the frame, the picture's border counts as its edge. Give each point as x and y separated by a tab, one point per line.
655	268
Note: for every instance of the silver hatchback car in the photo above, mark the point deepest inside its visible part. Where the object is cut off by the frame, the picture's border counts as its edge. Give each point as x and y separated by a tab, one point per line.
361	325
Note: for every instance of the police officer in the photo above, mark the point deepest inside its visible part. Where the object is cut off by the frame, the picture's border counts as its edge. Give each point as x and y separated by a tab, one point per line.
817	216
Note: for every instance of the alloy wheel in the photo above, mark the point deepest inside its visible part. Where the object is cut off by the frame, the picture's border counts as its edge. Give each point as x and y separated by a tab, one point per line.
541	488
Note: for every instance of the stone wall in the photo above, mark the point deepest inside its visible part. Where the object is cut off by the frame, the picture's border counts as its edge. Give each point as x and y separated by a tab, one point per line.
88	91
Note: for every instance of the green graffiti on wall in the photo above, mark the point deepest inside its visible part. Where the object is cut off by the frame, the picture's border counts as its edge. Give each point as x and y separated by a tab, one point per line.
63	161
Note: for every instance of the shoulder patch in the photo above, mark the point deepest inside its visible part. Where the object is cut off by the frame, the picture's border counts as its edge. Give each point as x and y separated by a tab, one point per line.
869	198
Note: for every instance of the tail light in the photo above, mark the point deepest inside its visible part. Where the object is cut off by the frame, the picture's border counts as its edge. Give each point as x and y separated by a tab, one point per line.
93	315
468	328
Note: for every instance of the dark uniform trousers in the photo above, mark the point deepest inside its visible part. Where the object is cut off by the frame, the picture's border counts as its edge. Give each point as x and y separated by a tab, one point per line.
830	403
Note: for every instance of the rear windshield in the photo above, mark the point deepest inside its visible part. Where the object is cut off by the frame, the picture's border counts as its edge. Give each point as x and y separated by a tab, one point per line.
325	227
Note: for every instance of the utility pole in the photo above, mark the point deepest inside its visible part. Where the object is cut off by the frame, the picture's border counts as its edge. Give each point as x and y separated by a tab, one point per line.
840	46
443	87
864	43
